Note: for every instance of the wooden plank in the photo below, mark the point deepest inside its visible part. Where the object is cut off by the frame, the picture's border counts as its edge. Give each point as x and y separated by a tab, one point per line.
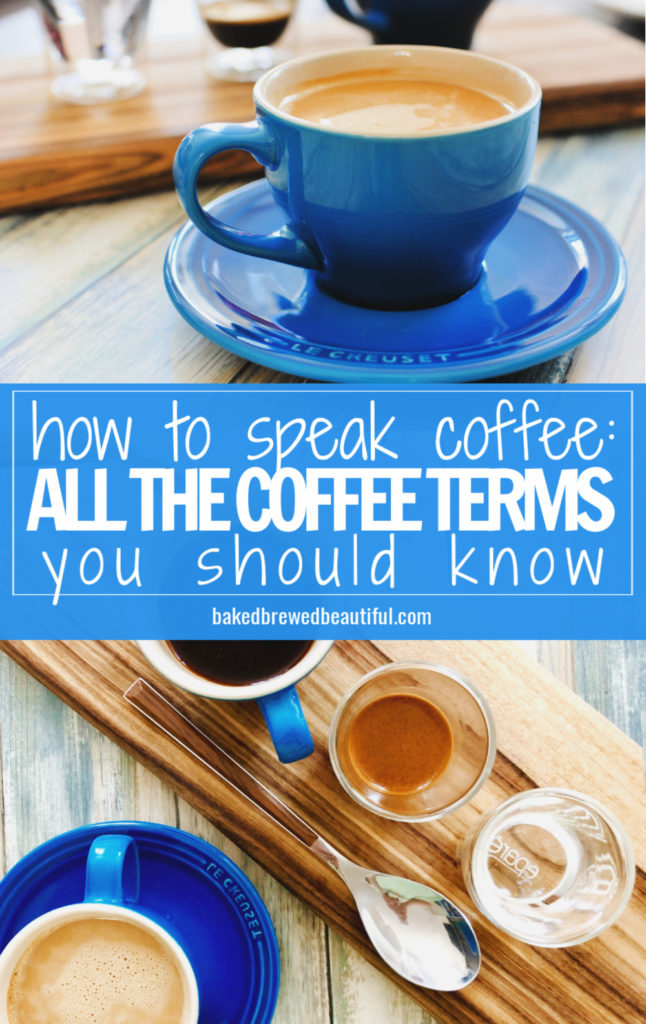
56	153
546	736
113	785
592	75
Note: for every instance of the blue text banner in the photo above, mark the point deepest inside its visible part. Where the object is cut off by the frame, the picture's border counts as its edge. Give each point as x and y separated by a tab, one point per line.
194	512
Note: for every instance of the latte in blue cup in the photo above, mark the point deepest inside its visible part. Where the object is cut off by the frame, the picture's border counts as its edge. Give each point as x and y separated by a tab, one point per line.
438	22
392	200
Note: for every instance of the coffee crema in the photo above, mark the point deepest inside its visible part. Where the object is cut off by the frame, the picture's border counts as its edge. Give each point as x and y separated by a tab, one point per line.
239	662
382	102
400	743
96	971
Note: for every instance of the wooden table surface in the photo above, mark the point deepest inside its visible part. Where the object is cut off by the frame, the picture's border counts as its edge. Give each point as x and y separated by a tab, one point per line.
57	772
84	301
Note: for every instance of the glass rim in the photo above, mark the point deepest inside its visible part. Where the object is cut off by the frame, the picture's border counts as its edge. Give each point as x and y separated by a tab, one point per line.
473	691
486	829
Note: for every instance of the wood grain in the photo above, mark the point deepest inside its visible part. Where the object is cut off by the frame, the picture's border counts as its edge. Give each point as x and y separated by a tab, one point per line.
53	153
546	736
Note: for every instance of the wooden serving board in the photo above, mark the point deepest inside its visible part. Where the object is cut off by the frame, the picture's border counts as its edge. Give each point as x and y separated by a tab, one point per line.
546	736
53	153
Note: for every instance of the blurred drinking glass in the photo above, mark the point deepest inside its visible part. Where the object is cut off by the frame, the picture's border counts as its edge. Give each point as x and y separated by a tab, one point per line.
94	43
248	29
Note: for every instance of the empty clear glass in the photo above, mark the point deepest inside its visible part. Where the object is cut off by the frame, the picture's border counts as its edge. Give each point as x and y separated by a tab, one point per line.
94	43
550	867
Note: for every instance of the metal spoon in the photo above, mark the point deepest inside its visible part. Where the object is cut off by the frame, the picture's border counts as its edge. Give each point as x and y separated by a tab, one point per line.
419	933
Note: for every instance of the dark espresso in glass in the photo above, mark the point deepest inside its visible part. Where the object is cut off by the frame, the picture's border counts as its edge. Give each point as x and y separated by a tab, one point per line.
247	23
239	662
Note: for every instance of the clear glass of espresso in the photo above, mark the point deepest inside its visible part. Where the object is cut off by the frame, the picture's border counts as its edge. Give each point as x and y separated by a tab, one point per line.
412	741
247	31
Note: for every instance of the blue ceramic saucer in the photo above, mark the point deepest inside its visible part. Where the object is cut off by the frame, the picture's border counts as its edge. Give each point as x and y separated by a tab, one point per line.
190	888
552	278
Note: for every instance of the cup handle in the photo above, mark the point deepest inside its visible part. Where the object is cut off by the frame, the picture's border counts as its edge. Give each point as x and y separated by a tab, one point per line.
288	729
375	21
200	145
112	871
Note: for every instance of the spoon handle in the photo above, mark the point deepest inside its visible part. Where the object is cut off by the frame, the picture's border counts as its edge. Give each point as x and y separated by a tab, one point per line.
167	717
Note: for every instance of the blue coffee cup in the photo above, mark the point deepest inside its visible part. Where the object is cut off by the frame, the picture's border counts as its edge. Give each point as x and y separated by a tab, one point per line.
433	22
276	697
111	887
392	221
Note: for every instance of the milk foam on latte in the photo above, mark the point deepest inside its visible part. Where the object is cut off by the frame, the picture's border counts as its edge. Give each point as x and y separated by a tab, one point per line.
96	971
385	102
